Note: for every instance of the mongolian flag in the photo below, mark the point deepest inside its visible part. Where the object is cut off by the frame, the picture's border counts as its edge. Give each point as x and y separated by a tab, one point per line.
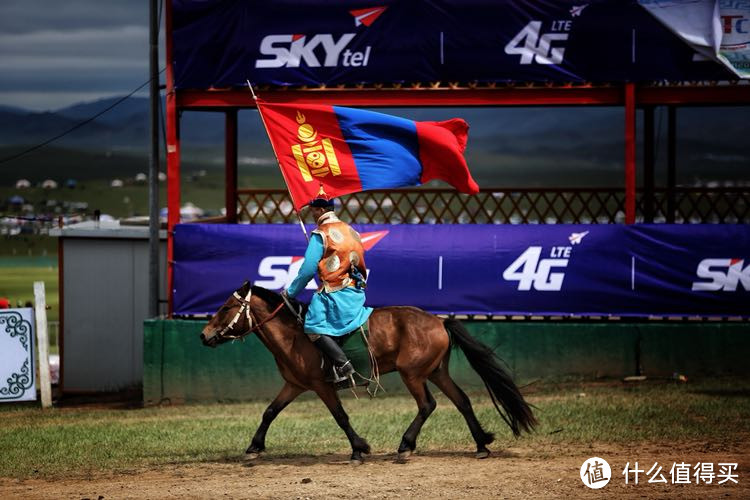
350	150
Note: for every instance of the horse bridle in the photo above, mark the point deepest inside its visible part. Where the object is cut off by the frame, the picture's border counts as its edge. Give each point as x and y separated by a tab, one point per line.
245	308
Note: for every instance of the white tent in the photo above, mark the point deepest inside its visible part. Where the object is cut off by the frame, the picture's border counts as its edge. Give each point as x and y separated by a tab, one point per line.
189	211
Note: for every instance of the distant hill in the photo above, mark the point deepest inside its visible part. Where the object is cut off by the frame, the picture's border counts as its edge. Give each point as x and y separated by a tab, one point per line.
24	128
507	146
197	128
13	109
127	109
125	127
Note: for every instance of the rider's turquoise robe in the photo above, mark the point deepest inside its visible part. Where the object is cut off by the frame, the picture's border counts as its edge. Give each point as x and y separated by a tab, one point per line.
330	313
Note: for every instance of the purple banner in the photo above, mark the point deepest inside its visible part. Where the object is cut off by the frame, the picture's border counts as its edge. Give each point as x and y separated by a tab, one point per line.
642	270
224	43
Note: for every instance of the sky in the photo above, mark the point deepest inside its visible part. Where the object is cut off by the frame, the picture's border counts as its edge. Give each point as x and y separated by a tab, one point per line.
54	53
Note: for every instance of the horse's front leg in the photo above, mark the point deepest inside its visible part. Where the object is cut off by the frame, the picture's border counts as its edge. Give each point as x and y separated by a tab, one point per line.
287	394
359	445
425	404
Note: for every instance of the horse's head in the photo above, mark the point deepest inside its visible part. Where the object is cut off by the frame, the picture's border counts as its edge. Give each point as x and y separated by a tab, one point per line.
231	321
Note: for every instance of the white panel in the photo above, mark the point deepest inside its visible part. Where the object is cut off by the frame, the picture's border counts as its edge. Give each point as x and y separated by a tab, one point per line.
105	303
17	381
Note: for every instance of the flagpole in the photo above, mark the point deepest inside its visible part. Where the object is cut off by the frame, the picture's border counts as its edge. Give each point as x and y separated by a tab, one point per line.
286	182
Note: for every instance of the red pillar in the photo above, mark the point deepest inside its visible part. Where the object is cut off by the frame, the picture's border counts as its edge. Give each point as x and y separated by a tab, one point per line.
230	165
173	161
629	153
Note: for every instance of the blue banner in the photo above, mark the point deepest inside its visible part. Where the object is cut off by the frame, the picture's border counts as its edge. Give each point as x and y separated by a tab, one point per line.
642	270
224	43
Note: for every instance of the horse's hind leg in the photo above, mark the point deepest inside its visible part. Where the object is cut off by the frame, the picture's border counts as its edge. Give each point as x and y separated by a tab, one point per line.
443	380
286	396
327	393
426	405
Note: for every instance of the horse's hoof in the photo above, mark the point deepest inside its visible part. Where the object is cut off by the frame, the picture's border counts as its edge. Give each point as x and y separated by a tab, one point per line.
355	461
249	457
404	455
482	454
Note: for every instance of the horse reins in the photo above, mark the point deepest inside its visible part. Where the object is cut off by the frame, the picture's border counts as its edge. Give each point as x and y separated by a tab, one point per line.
245	308
297	313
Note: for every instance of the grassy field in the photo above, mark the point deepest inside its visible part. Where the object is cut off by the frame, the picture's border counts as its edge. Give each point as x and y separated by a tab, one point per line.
75	441
32	249
17	277
127	201
205	191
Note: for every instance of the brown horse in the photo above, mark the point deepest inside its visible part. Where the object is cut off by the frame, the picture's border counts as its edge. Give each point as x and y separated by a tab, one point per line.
407	339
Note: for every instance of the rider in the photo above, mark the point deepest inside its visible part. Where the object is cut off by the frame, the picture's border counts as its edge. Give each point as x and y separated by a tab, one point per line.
338	307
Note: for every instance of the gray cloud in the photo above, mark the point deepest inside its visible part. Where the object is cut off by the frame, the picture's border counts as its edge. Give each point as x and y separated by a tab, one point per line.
26	16
116	41
42	100
54	53
44	79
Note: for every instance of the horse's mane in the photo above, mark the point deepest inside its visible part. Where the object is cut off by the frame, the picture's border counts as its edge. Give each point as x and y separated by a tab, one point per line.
269	296
273	299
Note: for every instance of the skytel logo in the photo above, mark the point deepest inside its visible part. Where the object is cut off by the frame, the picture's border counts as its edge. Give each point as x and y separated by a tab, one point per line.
279	272
291	51
725	275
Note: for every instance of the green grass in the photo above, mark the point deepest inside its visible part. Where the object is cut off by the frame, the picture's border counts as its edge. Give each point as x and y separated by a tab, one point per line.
17	283
62	441
35	249
17	277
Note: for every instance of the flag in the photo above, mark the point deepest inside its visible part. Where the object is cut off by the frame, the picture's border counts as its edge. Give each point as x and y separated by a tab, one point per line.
351	150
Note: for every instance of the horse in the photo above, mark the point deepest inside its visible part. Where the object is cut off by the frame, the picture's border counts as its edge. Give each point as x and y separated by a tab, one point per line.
402	338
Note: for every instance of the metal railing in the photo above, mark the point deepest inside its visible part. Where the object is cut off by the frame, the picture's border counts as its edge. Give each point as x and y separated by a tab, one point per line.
512	206
697	205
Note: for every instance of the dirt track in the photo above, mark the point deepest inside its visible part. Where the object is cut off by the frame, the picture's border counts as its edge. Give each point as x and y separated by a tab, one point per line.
512	473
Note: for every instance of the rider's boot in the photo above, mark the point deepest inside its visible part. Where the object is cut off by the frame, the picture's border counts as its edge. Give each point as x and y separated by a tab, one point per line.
343	368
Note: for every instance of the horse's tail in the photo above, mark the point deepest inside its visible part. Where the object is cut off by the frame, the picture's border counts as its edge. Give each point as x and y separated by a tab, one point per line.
515	411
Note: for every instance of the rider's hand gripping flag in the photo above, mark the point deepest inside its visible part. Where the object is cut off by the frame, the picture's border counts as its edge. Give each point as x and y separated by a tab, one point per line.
350	150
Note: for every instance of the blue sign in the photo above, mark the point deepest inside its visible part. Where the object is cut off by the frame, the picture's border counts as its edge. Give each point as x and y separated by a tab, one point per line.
642	270
224	43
